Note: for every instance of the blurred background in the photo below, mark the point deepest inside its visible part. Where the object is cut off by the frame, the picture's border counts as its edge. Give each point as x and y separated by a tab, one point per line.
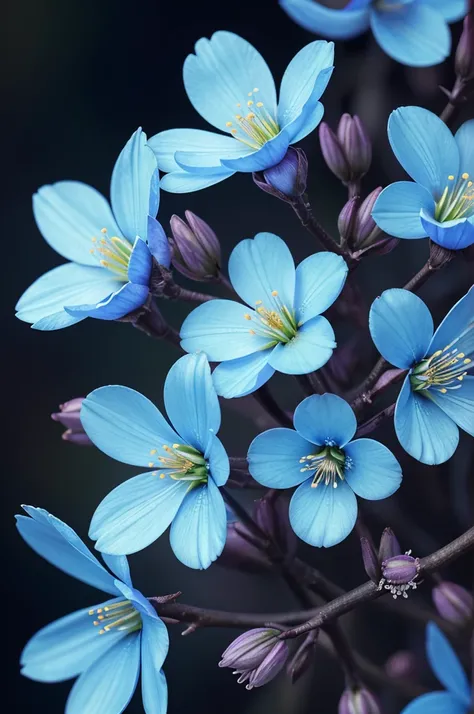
77	79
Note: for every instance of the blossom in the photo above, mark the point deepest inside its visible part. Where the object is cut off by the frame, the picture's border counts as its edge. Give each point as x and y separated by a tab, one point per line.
282	330
187	466
439	203
413	32
111	250
328	468
437	395
448	670
106	646
230	85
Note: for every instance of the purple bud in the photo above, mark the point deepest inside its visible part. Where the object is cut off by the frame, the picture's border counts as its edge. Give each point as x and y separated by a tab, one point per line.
358	701
240	553
402	665
464	58
366	231
356	145
270	667
389	545
399	574
453	602
371	561
256	656
271	514
286	180
333	153
69	416
196	248
303	657
347	220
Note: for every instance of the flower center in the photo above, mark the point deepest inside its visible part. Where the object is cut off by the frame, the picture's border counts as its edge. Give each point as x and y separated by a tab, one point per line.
113	253
328	465
444	370
257	126
186	463
457	199
120	616
277	322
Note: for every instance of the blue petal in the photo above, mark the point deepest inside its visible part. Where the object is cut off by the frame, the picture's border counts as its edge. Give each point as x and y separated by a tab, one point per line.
57	543
424	146
453	235
335	24
154	648
451	10
239	377
323	516
154	691
222	329
122	302
270	154
66	647
69	214
261	266
401	327
134	187
465	140
136	513
446	665
125	425
274	458
191	401
325	419
107	688
397	209
435	703
219	466
423	430
158	243
118	564
306	123
199	529
309	350
208	145
374	472
457	325
139	269
319	281
458	404
222	73
139	601
403	36
185	182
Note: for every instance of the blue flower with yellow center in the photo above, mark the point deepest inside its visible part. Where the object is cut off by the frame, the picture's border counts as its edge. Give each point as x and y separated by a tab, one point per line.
439	203
437	396
229	83
413	32
111	250
281	327
107	646
186	466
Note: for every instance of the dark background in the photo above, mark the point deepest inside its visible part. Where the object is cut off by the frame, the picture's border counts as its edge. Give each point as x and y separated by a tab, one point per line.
77	79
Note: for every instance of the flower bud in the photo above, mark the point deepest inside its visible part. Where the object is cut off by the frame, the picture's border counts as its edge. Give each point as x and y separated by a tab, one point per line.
358	701
303	657
402	665
453	602
347	220
333	153
371	561
271	514
399	574
196	249
257	656
389	546
355	144
464	58
287	180
69	416
366	231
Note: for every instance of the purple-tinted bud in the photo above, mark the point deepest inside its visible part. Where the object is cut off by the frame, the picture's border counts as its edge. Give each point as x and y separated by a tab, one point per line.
69	416
196	249
303	657
453	602
371	562
347	220
333	153
464	58
270	667
250	649
240	553
389	545
366	231
271	514
287	180
402	665
356	145
358	701
399	574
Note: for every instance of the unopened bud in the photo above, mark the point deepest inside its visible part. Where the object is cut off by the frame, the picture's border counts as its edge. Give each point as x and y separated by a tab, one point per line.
399	574
287	180
358	701
453	602
256	656
196	248
271	514
389	545
347	220
303	657
366	231
402	665
333	153
370	559
355	144
464	58
69	416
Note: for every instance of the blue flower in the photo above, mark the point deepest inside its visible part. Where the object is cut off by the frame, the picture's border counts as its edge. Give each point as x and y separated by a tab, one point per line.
448	670
106	645
111	252
413	32
283	329
229	83
328	468
440	201
437	395
187	466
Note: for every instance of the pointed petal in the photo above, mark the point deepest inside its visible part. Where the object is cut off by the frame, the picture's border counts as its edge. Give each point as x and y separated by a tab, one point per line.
325	418
185	182
457	325
309	350
374	472
451	10
319	281
211	147
219	466
154	648
270	154
118	564
139	268
154	691
158	243
122	302
397	209
274	458
453	235
239	377
307	122
323	516
435	703
458	404
465	140
446	665
325	21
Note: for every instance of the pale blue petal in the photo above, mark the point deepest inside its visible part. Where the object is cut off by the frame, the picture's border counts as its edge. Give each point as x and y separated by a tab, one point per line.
446	665
57	321
457	325
307	122
69	214
154	648
397	209
222	73
118	564
139	601
136	513
453	235
451	10
207	144
401	327
134	188
107	688
191	401
325	21
154	690
222	329
261	266
158	243
122	302
323	516
309	350
139	268
125	425
274	458
239	377
374	472
270	154
325	419
57	543
199	529
219	466
435	703
423	430
319	281
458	404
185	182
465	140
424	146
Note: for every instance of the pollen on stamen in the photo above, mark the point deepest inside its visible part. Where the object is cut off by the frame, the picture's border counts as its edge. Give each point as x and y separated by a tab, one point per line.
104	263
465	176
150	464
252	332
153	451
274	293
249	94
247	316
256	89
259	105
162	475
258	302
249	103
451	177
228	123
103	230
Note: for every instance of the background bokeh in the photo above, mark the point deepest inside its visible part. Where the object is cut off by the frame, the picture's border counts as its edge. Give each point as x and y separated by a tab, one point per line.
77	79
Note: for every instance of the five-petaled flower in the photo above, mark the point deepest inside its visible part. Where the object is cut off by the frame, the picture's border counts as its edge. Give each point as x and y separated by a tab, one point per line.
413	32
111	252
437	396
229	83
328	468
449	671
439	203
283	330
187	466
106	646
